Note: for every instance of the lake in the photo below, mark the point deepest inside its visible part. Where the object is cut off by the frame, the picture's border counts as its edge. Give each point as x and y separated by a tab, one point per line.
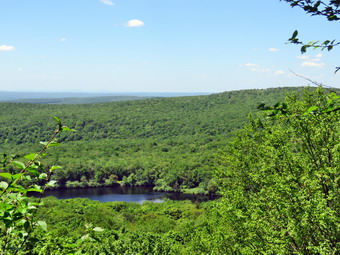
125	194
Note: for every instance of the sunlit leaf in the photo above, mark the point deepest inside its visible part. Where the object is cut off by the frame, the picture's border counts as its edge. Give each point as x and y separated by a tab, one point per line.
64	128
31	156
51	183
6	175
53	144
3	185
55	168
42	224
43	176
19	164
311	109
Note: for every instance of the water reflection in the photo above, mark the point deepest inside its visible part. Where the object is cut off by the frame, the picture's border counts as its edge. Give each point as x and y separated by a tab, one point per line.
124	194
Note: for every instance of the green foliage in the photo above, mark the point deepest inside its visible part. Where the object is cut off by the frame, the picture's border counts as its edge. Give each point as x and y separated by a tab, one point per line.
280	179
329	9
168	143
128	228
17	210
326	45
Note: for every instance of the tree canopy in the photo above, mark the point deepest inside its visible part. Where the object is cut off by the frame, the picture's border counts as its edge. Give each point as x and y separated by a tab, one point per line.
280	179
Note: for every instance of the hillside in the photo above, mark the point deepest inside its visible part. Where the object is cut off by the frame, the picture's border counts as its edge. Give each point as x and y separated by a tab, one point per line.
84	98
79	100
166	142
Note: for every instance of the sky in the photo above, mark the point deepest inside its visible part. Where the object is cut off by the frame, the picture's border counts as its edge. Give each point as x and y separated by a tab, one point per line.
160	46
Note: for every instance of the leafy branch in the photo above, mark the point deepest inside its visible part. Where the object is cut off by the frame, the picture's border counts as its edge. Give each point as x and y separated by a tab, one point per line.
17	210
329	10
282	109
326	45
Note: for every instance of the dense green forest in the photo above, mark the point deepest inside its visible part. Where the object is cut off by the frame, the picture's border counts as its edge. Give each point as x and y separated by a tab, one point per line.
278	176
168	143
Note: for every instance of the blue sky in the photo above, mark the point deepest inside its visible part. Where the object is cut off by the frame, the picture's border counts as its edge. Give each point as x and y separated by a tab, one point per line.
159	45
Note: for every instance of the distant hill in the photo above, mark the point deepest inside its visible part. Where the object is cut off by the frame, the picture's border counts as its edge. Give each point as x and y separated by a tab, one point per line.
78	100
167	142
83	98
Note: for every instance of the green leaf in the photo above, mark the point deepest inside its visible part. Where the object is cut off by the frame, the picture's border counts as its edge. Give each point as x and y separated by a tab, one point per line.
42	224
34	166
88	225
326	42
43	176
6	175
19	164
64	128
98	229
311	109
87	237
51	183
58	122
3	185
16	176
36	189
333	96
31	156
53	144
295	34
54	168
33	171
27	225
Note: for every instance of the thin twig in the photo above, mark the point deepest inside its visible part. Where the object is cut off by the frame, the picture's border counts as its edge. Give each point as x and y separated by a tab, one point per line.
314	82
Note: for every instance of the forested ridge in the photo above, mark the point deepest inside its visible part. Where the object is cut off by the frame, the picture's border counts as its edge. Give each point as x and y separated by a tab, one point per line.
278	176
77	100
168	143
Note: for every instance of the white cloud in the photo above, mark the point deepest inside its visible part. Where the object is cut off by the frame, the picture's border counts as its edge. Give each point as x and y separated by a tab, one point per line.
107	2
273	49
260	70
19	69
279	72
135	23
318	55
315	59
250	65
6	48
62	39
312	64
256	68
303	57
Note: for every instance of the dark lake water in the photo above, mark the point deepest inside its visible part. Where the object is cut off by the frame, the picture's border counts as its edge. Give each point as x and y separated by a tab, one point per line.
125	194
